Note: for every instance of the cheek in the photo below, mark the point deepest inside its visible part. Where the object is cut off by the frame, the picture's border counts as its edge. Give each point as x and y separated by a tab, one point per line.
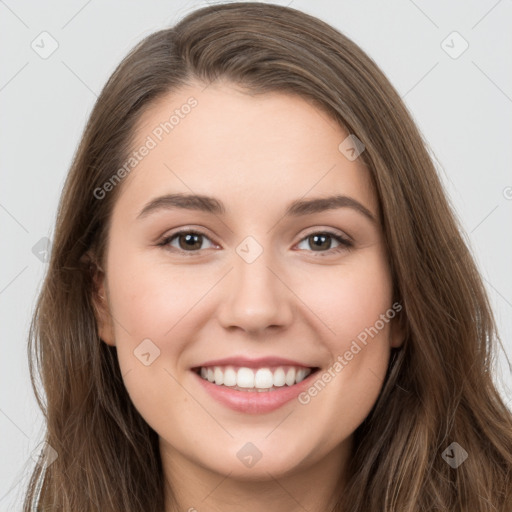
355	303
150	308
349	298
155	311
342	396
151	299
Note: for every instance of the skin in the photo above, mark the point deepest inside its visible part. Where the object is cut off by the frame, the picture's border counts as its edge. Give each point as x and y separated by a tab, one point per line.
256	154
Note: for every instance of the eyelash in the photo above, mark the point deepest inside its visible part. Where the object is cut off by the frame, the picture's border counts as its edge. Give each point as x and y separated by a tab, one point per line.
345	244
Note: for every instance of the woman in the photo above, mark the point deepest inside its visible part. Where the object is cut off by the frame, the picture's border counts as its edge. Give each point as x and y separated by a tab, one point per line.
200	348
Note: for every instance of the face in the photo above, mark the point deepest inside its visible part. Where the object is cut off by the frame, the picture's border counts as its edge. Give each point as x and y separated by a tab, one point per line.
269	291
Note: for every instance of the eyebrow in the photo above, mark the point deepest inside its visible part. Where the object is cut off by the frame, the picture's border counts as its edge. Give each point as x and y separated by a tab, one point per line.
212	205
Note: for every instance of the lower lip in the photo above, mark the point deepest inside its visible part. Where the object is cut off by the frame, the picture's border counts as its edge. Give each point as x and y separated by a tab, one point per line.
254	402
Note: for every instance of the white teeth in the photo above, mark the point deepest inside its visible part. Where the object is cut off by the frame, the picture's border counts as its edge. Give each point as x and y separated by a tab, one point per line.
290	377
263	379
229	377
301	375
279	378
219	376
256	379
245	378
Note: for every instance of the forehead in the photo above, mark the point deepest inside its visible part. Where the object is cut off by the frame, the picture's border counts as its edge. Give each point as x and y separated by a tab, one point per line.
255	151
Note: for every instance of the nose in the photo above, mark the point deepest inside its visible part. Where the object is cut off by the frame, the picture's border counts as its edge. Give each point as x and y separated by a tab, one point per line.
255	297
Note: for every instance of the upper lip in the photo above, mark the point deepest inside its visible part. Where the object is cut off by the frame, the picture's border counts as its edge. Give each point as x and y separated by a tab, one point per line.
261	362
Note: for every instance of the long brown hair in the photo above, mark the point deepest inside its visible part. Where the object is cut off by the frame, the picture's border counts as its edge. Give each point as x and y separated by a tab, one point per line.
439	387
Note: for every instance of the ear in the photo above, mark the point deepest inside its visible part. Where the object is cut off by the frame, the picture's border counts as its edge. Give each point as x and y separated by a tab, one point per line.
104	322
398	330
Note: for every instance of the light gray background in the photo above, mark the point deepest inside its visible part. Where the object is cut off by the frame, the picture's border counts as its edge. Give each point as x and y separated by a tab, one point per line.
462	106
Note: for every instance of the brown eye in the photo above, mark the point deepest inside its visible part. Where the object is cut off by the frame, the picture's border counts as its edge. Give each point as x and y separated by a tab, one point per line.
322	242
188	241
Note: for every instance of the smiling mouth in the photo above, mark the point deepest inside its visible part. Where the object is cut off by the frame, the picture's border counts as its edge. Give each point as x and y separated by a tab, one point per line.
258	380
